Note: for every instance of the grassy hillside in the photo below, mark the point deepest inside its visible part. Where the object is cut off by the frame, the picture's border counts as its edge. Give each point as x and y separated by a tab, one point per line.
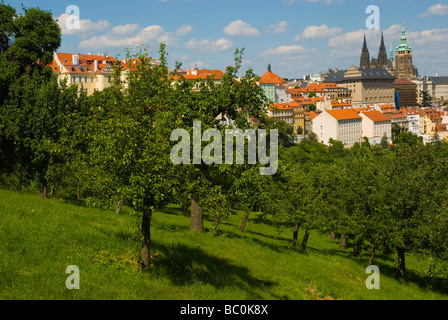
40	238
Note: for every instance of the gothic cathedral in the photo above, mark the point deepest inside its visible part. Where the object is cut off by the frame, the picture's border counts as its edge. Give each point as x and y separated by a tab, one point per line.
401	67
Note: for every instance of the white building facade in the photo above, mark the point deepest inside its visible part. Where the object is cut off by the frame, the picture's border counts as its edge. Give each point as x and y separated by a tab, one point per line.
342	125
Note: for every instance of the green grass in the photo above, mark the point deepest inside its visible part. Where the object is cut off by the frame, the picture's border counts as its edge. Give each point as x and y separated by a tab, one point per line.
39	239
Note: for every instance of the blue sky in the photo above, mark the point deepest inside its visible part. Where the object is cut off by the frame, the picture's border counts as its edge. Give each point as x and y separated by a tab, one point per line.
296	37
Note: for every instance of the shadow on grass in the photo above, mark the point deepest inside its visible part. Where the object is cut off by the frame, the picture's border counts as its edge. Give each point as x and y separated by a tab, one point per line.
184	266
426	282
73	201
173	210
277	246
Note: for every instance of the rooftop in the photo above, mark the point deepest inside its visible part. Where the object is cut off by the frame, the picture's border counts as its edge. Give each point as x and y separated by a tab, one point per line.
271	78
344	114
376	116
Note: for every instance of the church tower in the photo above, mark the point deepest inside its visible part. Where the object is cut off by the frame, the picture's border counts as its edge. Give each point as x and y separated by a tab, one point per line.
404	67
365	56
382	55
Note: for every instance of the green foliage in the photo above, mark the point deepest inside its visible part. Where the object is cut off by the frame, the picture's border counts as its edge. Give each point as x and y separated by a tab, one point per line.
384	142
31	103
426	99
27	43
312	107
115	145
286	134
407	139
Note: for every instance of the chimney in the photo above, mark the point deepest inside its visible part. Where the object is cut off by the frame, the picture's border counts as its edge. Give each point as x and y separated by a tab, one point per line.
269	68
96	65
75	59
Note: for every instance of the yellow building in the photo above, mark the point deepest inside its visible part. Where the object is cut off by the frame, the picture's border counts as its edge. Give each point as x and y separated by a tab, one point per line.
292	113
89	72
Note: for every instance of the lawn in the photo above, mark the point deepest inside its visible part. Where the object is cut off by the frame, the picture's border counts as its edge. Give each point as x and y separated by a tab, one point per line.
39	239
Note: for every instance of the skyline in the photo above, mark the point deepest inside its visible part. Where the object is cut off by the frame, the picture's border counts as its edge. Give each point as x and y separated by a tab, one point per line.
296	37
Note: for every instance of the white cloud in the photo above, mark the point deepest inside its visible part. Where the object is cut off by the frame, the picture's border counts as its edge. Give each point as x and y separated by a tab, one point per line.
184	31
433	37
278	28
318	32
125	29
350	44
439	9
208	45
240	28
149	35
289	50
86	26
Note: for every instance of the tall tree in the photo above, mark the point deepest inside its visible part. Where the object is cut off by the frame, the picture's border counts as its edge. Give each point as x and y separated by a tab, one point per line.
416	177
30	100
426	99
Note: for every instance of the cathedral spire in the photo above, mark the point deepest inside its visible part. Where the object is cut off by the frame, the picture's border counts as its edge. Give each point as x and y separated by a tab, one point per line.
382	55
365	56
403	42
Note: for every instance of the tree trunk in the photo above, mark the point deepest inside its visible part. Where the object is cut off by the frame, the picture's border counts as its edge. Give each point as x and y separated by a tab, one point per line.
333	236
295	236
305	239
146	245
53	188
196	222
342	242
385	250
119	206
356	248
372	255
401	263
43	189
184	207
244	222
78	191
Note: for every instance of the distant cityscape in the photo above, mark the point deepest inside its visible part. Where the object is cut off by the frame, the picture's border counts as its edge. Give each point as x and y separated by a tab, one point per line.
371	101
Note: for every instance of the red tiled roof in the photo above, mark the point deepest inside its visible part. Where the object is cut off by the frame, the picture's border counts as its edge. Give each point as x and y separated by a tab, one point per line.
344	114
319	87
403	81
336	103
201	74
271	78
86	62
376	116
